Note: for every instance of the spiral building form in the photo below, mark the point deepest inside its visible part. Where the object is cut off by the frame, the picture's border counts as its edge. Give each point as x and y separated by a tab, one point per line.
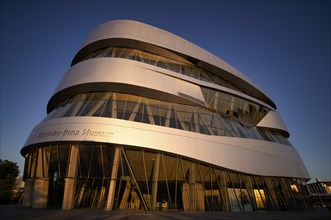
144	119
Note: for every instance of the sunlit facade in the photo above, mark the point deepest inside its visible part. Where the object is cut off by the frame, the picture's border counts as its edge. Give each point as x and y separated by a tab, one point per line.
146	120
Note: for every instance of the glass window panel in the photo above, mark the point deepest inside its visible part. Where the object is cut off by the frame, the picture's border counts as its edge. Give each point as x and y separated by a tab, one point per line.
100	53
54	114
173	122
108	52
26	173
149	159
129	109
136	163
205	175
107	111
244	200
78	107
68	109
85	152
46	160
163	112
33	162
144	113
271	193
235	207
91	55
156	113
183	119
259	198
234	178
164	200
171	167
101	107
230	131
108	153
63	152
222	178
96	165
120	109
115	51
248	186
183	168
138	115
54	167
163	176
87	106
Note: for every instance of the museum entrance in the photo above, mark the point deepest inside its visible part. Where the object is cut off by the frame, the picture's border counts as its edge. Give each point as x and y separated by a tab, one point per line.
55	192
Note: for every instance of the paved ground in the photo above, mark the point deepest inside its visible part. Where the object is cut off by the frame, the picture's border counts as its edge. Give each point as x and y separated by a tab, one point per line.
13	212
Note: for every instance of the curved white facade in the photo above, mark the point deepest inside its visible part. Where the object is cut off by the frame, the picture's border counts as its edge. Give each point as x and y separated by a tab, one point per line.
135	85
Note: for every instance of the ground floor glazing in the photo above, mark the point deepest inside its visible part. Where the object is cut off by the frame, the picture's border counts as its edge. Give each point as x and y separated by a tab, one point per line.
110	177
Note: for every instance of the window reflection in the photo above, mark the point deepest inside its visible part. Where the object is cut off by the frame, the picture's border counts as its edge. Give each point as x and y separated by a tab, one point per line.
186	68
221	120
260	198
151	180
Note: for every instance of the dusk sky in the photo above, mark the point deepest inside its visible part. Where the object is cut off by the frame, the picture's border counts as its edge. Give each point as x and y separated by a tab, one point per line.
282	46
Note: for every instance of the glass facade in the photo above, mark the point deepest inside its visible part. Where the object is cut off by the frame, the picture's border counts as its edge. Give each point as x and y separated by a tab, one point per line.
226	115
153	180
186	68
77	172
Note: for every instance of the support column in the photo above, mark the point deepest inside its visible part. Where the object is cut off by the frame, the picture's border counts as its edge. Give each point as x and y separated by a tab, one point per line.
69	187
40	193
125	204
28	191
156	171
112	185
192	187
40	185
224	192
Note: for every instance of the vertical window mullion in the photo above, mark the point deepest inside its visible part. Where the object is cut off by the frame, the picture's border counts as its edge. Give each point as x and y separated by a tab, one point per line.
187	190
203	185
176	173
166	179
149	112
219	188
258	189
91	158
235	194
146	179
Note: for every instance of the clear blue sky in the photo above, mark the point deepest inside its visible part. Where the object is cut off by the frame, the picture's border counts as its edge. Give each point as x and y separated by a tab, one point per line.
283	46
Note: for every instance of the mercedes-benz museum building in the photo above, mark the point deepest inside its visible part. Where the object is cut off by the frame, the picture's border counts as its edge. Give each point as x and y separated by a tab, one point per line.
146	120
